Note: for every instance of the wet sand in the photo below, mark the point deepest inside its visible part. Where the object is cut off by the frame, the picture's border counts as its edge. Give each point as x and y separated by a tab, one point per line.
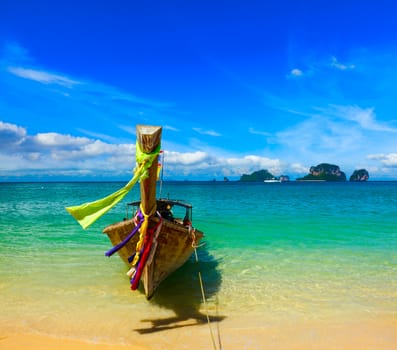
379	334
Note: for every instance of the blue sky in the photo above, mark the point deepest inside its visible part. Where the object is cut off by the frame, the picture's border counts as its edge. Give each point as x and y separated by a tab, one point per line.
238	86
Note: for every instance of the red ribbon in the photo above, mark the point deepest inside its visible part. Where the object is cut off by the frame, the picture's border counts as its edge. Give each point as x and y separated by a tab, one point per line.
147	245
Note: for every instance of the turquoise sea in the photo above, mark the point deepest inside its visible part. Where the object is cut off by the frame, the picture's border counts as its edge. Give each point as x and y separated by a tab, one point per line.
273	253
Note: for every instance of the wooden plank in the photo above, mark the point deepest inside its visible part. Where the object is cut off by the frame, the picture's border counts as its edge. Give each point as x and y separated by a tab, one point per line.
149	137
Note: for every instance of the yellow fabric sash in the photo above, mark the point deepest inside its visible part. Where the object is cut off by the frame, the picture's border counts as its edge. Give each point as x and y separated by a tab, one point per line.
87	213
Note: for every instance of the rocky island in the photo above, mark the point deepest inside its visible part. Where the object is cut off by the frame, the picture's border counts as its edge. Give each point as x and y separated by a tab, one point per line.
359	175
331	172
320	172
263	175
257	176
324	172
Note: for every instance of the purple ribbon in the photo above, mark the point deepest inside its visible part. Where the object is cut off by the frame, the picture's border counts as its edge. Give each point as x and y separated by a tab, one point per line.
126	239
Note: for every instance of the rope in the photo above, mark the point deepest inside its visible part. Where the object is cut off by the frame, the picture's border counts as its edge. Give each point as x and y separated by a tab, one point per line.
203	293
142	234
128	238
147	249
154	242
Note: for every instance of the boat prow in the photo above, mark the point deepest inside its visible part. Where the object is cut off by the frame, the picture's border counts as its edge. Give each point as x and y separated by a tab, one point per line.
154	243
173	246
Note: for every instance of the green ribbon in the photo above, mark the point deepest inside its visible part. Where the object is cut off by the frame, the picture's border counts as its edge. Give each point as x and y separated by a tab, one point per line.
87	213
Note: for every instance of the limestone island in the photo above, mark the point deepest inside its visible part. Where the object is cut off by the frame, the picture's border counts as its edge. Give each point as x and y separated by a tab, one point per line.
320	172
263	176
359	175
324	172
332	172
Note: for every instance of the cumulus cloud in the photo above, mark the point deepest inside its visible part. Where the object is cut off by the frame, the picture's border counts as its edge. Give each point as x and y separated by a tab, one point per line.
63	154
296	72
187	158
389	160
204	164
92	149
296	168
250	163
11	135
22	152
53	139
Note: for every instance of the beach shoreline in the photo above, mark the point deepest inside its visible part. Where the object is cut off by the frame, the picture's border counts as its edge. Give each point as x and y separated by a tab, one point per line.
299	274
380	334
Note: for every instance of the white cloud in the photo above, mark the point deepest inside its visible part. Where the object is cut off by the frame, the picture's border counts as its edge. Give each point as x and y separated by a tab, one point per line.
258	132
11	134
297	168
340	66
250	163
389	160
53	139
365	117
342	135
97	149
42	76
187	158
318	134
203	164
81	103
60	154
335	129
171	128
296	72
53	153
206	132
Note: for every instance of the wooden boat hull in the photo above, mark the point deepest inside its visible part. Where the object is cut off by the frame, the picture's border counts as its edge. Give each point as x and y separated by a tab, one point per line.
172	248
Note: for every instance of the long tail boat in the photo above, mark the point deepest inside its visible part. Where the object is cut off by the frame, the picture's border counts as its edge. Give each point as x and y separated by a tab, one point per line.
153	243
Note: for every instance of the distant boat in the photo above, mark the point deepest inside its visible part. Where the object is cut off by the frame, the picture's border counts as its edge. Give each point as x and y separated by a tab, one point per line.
272	180
168	241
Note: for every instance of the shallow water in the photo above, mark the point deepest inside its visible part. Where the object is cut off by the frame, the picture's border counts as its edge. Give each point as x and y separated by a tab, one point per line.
273	252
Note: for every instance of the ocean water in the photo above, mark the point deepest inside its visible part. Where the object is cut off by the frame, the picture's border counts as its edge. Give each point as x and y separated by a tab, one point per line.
273	253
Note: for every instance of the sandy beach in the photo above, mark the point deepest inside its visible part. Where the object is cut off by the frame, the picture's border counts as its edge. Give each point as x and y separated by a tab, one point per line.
353	335
297	282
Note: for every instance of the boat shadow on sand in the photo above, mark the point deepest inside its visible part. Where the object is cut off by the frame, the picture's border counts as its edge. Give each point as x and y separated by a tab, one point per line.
181	293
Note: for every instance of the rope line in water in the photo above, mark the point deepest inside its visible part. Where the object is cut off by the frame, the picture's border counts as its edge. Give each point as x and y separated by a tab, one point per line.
203	295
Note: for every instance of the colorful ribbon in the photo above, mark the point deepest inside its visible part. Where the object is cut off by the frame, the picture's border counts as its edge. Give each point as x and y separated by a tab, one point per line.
87	213
117	247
